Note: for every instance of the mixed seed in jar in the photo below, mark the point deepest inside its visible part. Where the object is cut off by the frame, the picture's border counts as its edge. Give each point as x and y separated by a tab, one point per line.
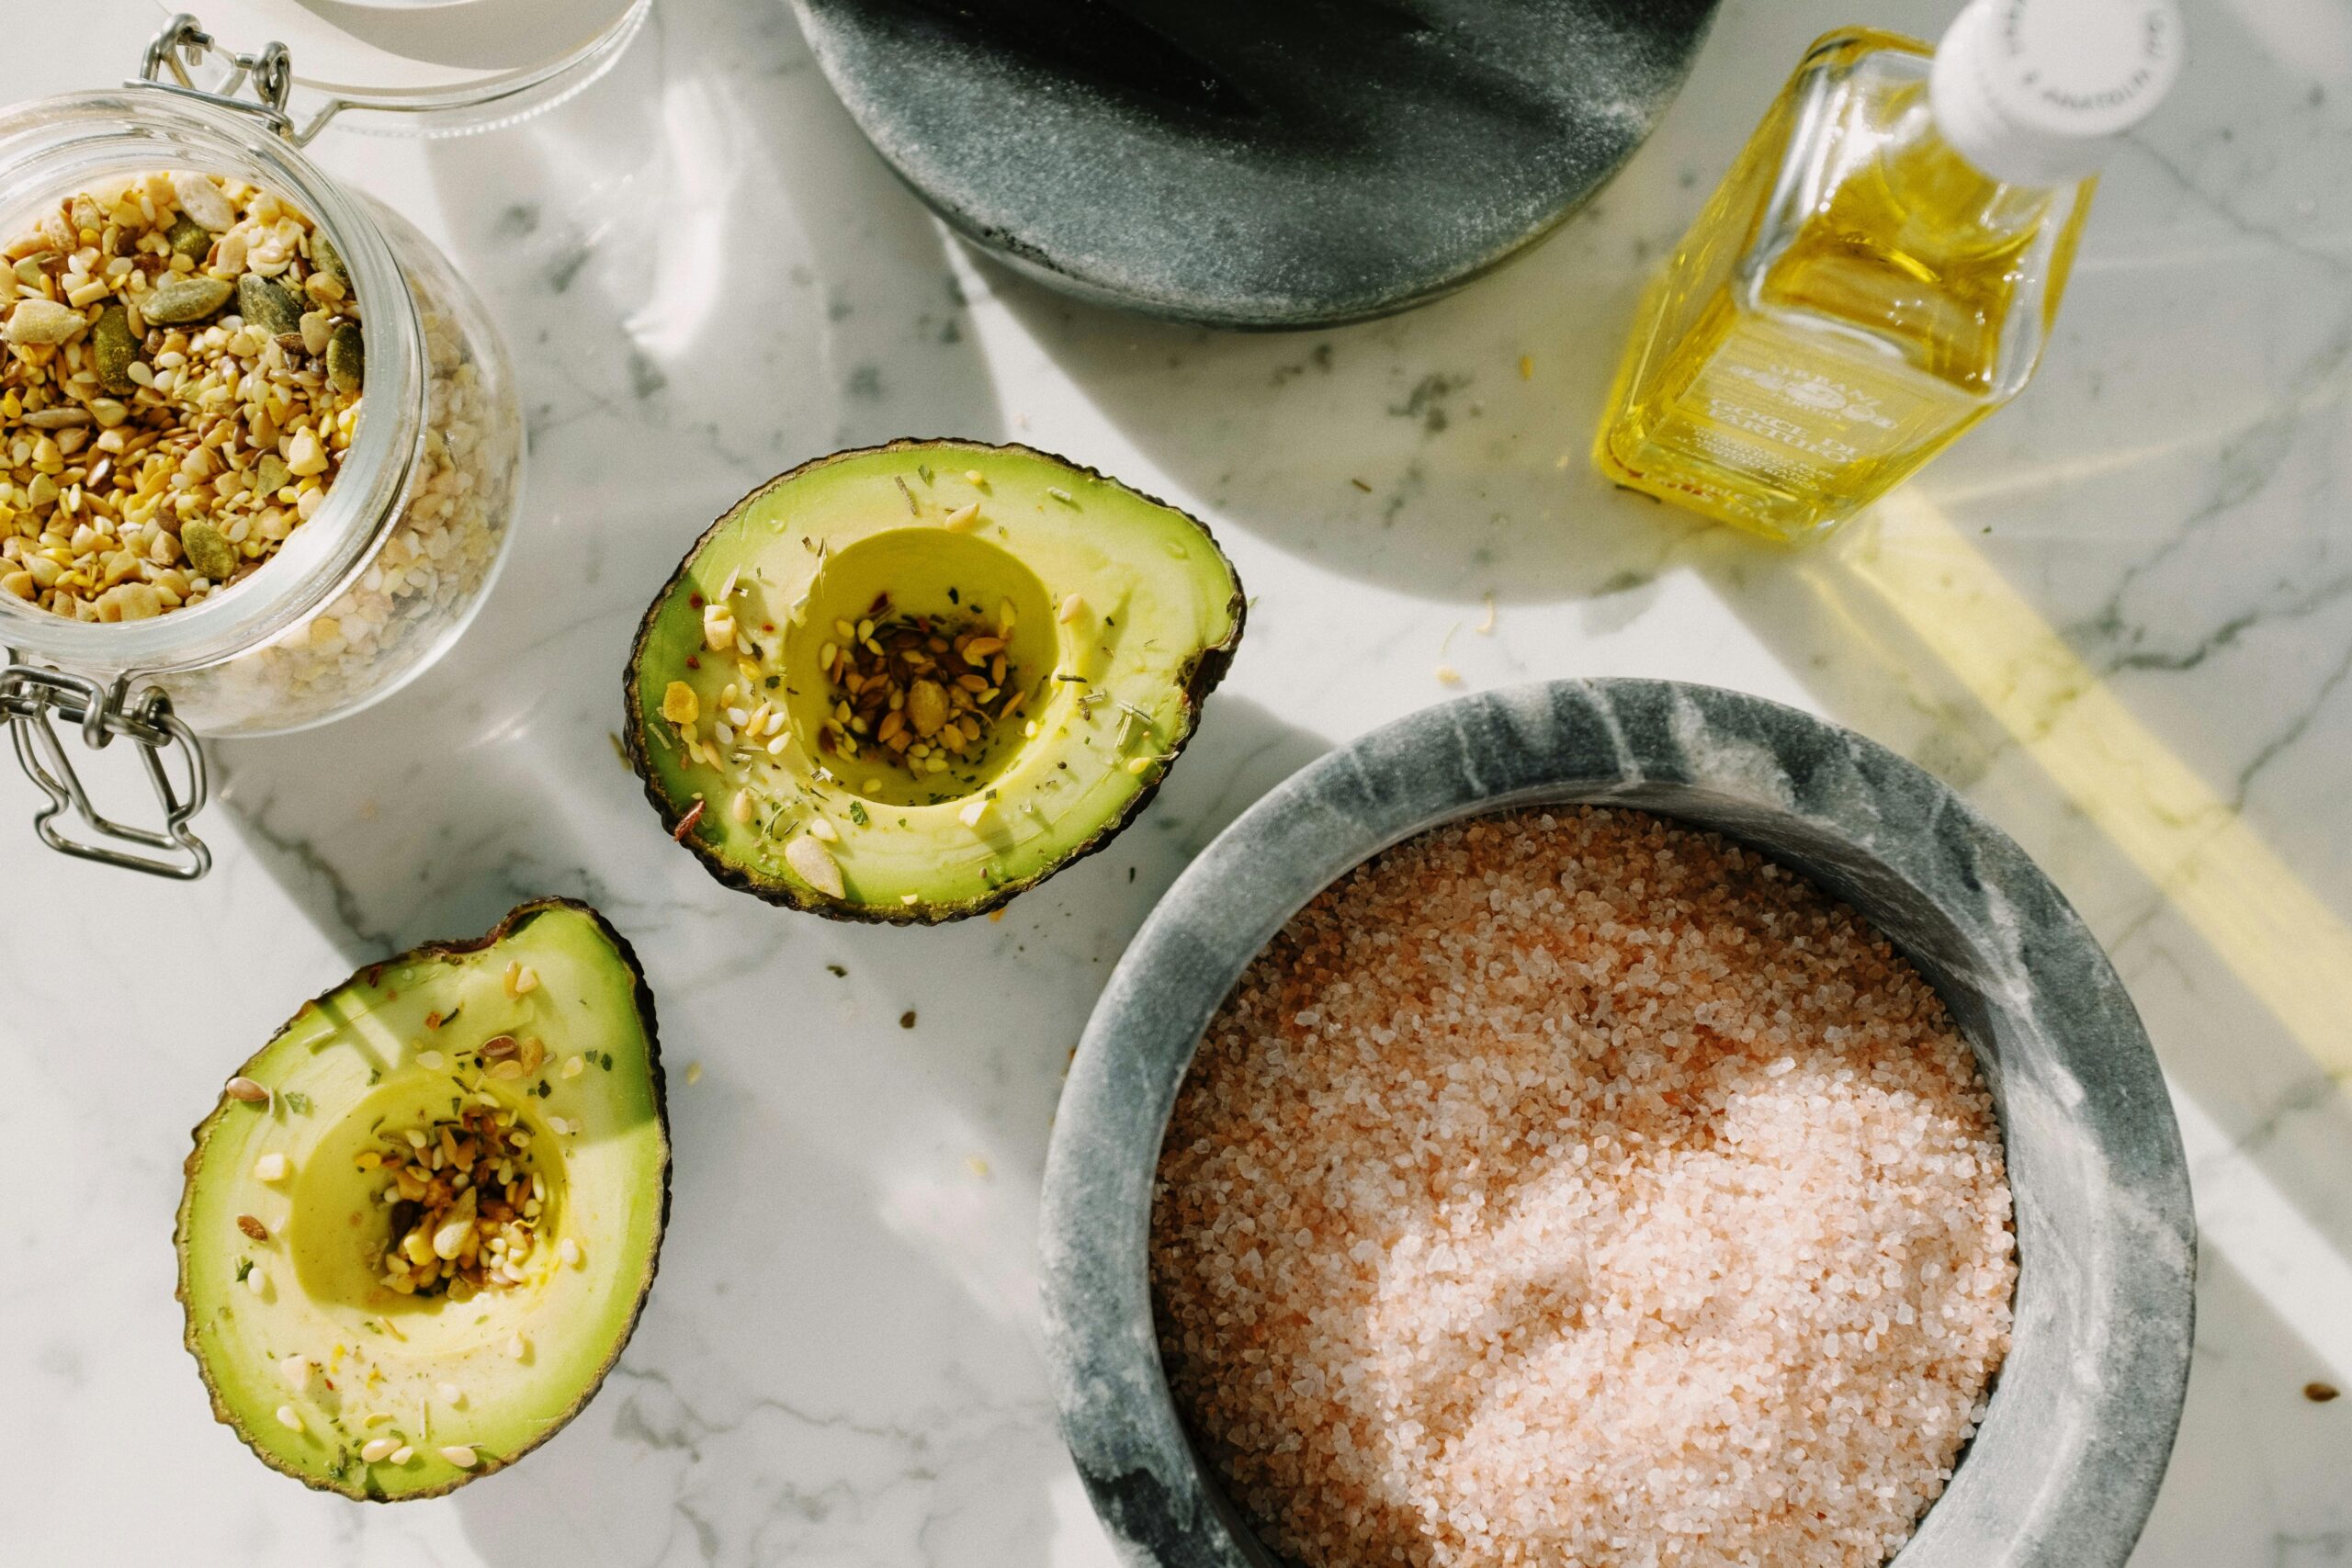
181	378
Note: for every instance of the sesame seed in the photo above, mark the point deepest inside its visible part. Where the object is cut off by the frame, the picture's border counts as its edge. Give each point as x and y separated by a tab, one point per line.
402	1454
289	1417
569	1250
432	1061
375	1450
459	1455
246	1090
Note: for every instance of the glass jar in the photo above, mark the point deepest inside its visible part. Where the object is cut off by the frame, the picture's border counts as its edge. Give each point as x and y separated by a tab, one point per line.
360	597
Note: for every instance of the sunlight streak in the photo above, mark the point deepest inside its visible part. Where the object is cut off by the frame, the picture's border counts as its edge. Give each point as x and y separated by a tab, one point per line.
2285	944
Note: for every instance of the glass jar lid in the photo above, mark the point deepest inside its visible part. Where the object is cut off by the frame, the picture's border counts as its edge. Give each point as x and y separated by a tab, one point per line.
415	67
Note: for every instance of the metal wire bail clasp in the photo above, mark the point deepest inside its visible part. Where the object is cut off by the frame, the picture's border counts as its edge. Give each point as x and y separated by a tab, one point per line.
184	43
32	697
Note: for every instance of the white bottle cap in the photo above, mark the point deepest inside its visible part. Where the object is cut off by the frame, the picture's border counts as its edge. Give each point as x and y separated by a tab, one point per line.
2037	91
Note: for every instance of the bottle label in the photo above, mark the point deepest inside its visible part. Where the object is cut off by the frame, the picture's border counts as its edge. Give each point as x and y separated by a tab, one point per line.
1773	404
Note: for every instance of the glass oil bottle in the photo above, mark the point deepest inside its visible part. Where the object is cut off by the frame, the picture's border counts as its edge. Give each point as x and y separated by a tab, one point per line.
1881	268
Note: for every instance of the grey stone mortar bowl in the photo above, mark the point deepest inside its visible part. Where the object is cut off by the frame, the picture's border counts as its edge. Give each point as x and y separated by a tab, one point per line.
2064	1469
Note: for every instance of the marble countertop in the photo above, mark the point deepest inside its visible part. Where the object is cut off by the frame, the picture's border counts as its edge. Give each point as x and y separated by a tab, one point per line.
2118	616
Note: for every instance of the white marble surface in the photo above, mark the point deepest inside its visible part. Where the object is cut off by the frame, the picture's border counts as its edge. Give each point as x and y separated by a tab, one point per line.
2120	616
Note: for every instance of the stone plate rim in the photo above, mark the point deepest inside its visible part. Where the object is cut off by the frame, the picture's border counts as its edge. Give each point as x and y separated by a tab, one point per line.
1024	254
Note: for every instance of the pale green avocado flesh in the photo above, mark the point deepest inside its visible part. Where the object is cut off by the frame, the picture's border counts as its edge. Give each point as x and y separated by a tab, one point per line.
1123	613
325	1371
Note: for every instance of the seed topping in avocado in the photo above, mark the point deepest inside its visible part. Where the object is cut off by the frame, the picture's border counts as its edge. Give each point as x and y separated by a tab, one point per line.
466	1203
883	740
926	691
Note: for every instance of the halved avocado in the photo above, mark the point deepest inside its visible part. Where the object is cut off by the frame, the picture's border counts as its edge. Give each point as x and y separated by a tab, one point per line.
344	1351
906	682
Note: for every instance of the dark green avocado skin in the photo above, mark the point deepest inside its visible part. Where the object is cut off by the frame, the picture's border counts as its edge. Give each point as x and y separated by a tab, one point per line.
1197	682
643	995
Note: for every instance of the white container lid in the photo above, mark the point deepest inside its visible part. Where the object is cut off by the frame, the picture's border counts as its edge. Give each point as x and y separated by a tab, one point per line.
2038	92
430	67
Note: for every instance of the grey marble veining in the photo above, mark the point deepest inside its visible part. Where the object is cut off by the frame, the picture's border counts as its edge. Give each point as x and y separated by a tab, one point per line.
2114	618
2064	1469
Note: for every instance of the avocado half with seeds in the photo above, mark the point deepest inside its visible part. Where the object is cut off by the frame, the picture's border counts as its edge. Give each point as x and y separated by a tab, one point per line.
906	682
422	1222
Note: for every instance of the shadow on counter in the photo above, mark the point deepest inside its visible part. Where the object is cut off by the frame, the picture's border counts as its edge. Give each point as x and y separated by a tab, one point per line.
838	1358
2115	615
727	246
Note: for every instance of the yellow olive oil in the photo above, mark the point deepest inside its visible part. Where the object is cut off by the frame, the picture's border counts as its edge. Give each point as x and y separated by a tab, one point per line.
1853	297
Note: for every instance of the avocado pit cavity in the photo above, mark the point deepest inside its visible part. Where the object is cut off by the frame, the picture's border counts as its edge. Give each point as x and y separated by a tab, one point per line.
925	694
466	1199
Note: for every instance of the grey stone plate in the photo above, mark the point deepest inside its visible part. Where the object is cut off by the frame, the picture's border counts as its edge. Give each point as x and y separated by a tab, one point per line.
2064	1470
1255	163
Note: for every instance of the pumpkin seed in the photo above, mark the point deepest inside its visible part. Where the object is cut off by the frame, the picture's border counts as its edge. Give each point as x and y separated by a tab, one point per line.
328	261
346	357
208	551
267	304
202	200
816	865
927	707
190	238
186	300
44	322
117	349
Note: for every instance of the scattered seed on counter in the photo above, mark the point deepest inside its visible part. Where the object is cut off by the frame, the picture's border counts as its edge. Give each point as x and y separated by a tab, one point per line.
164	422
